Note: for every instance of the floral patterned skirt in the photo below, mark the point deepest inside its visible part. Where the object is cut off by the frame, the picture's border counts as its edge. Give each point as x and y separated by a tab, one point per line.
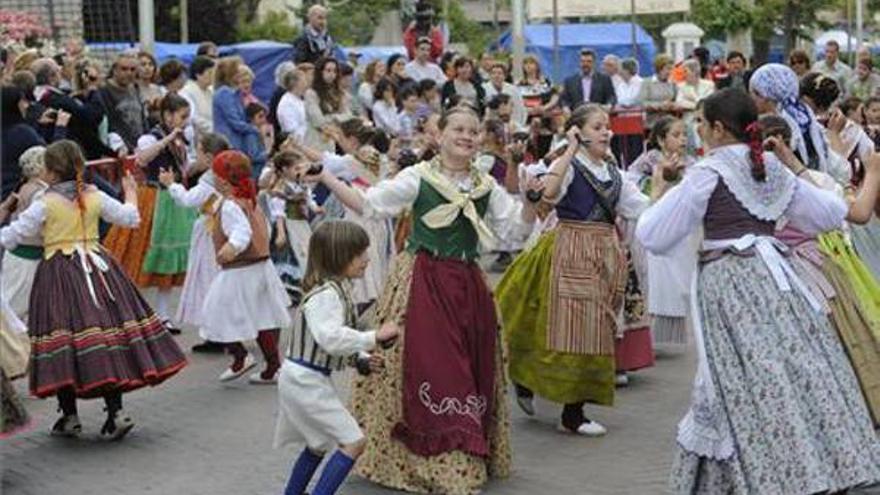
785	393
377	402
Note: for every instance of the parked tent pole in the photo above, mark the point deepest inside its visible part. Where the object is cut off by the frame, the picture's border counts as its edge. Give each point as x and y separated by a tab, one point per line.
184	21
632	21
849	30
859	23
556	40
146	25
517	27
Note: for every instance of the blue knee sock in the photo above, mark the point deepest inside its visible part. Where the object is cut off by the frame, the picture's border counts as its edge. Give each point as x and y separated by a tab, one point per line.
302	473
334	474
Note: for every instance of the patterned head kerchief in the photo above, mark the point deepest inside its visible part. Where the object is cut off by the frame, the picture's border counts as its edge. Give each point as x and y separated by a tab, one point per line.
778	83
235	167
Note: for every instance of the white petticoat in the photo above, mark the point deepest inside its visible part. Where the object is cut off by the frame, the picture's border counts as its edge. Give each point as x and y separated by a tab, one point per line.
311	411
243	301
201	270
17	281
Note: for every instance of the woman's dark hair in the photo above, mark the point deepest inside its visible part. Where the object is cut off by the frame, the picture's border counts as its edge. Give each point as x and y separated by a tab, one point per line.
332	248
407	92
736	111
494	128
850	104
355	127
582	114
871	101
381	141
24	80
382	86
253	109
329	95
286	159
426	85
344	70
659	131
200	65
391	60
9	111
498	100
406	158
205	47
821	89
171	71
461	62
171	103
774	125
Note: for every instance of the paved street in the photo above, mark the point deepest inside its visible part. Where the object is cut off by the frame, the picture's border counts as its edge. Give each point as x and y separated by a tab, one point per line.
196	436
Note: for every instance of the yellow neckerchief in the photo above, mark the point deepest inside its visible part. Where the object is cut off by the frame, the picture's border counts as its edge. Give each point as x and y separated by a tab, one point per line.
443	215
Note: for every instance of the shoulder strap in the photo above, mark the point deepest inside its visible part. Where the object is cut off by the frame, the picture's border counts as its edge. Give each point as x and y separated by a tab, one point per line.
606	199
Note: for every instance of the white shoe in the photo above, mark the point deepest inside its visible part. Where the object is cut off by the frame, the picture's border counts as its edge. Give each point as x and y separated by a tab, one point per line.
257	379
120	426
588	428
229	374
67	427
527	404
621	379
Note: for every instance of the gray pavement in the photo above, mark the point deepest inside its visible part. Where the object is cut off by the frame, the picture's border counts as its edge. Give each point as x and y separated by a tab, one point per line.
196	436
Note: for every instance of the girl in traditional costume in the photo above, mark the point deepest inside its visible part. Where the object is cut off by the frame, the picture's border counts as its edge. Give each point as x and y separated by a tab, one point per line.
666	278
202	265
246	300
776	407
560	300
438	428
155	254
92	334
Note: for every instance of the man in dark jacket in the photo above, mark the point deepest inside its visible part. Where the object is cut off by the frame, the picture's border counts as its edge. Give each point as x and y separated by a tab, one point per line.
315	42
589	86
86	112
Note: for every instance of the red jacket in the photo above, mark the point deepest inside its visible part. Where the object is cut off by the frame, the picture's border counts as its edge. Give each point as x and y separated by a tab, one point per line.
410	37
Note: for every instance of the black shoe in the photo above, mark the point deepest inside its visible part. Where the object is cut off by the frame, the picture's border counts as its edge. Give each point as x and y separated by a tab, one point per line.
173	330
209	347
118	425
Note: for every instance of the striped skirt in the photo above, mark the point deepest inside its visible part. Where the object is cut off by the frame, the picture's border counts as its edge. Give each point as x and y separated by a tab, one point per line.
109	341
559	303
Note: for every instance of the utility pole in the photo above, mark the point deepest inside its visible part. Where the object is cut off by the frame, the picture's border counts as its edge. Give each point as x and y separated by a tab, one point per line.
184	21
146	25
517	31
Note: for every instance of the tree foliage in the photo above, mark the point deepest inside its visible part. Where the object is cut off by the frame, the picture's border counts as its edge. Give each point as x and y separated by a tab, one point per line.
275	26
463	30
352	22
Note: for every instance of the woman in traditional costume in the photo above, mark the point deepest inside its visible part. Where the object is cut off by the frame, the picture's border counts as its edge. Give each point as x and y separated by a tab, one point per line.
776	407
155	254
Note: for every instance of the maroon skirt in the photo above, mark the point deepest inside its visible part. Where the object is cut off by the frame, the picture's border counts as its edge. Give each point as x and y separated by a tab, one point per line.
448	359
112	341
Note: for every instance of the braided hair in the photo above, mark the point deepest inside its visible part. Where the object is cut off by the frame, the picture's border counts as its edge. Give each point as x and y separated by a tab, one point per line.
736	111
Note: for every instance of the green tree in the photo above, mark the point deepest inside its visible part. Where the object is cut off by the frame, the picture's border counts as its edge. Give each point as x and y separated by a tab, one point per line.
476	36
275	26
352	22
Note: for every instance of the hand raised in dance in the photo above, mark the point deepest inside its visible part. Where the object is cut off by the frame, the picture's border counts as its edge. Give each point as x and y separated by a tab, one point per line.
166	177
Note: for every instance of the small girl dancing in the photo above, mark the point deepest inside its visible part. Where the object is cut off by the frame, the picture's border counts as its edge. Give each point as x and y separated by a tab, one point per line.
247	299
324	337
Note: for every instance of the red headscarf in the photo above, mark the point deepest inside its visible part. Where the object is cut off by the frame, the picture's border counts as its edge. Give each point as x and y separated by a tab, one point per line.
235	168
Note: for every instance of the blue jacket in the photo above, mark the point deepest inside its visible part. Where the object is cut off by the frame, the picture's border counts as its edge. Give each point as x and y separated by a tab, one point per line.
231	121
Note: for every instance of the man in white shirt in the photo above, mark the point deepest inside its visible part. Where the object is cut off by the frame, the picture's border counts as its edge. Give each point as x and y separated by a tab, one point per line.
628	85
832	66
200	94
291	112
422	67
498	85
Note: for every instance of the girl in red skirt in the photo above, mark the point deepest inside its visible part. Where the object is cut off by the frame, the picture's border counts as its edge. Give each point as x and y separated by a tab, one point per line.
92	334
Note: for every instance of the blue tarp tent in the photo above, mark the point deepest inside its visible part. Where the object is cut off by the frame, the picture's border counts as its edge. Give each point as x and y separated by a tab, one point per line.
603	38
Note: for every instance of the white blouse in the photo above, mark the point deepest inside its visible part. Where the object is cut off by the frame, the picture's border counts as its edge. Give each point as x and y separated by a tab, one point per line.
292	116
325	317
629	93
386	117
30	222
193	197
632	201
235	225
391	197
681	210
